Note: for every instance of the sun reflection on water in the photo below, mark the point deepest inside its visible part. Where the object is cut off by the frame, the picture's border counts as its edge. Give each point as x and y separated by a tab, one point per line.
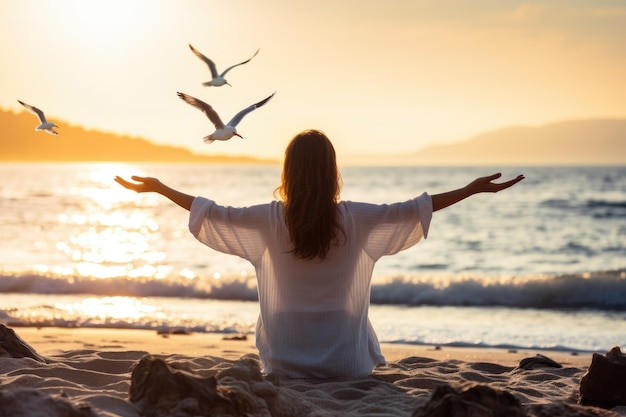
116	308
112	233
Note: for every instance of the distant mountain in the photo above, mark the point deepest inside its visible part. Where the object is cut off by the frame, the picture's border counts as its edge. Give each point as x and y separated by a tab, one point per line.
576	142
20	142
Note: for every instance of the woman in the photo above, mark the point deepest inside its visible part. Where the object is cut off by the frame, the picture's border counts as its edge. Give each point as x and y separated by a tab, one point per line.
314	256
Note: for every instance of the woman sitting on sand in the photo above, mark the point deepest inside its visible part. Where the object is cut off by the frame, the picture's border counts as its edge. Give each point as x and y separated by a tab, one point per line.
314	256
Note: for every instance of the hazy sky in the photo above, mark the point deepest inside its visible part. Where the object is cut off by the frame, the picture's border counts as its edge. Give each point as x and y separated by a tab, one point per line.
377	76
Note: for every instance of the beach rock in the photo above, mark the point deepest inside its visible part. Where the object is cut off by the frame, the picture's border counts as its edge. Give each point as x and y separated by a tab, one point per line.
159	389
567	410
538	361
11	345
241	337
29	402
604	384
470	400
476	400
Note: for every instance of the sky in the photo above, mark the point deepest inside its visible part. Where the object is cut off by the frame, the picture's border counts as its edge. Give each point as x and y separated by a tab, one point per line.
377	77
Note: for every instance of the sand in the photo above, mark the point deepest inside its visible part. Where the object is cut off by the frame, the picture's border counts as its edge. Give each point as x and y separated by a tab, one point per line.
91	368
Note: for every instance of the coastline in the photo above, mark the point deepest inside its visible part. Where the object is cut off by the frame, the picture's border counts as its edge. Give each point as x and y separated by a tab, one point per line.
50	341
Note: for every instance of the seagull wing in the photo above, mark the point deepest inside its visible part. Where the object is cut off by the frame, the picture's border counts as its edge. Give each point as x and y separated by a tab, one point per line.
35	110
237	118
206	60
241	63
204	108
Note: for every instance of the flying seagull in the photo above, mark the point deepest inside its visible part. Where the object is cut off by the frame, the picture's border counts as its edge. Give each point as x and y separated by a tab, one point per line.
218	79
45	125
222	131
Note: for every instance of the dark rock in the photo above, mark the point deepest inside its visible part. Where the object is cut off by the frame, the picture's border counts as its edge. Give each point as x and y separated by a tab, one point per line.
167	332
11	345
476	400
470	400
241	337
538	361
604	384
29	402
567	410
159	389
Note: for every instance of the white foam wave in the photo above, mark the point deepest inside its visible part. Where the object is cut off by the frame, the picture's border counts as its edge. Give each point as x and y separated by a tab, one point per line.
604	290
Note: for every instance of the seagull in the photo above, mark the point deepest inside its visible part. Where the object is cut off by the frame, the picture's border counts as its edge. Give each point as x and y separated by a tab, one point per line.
218	79
222	131
45	125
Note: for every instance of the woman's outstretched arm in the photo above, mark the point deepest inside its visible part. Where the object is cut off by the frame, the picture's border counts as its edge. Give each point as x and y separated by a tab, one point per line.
479	185
149	184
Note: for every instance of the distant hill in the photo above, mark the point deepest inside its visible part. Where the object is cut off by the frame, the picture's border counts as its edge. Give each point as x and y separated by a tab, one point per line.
576	142
20	142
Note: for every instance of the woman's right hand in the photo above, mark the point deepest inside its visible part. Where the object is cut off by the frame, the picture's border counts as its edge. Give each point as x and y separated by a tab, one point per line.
143	184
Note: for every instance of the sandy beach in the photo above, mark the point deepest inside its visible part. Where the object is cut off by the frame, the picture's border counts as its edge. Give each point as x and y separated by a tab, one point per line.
51	341
90	370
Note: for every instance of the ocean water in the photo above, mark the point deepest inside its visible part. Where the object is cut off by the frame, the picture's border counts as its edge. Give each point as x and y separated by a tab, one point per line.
541	265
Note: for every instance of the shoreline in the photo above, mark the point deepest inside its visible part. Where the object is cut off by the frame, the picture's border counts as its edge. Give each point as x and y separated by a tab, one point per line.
51	341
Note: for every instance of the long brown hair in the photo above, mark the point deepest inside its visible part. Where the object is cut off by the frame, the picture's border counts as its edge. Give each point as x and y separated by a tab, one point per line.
310	192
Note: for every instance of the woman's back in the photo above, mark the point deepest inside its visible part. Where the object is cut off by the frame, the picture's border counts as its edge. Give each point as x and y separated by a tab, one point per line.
313	313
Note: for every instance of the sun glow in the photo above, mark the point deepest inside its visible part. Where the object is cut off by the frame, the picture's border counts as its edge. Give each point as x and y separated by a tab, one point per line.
97	185
112	233
109	24
111	308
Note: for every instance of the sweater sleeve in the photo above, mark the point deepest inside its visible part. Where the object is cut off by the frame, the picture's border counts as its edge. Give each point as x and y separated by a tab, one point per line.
387	229
236	231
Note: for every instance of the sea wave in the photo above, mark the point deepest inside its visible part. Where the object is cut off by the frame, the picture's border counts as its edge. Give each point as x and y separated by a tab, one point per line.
603	290
238	288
